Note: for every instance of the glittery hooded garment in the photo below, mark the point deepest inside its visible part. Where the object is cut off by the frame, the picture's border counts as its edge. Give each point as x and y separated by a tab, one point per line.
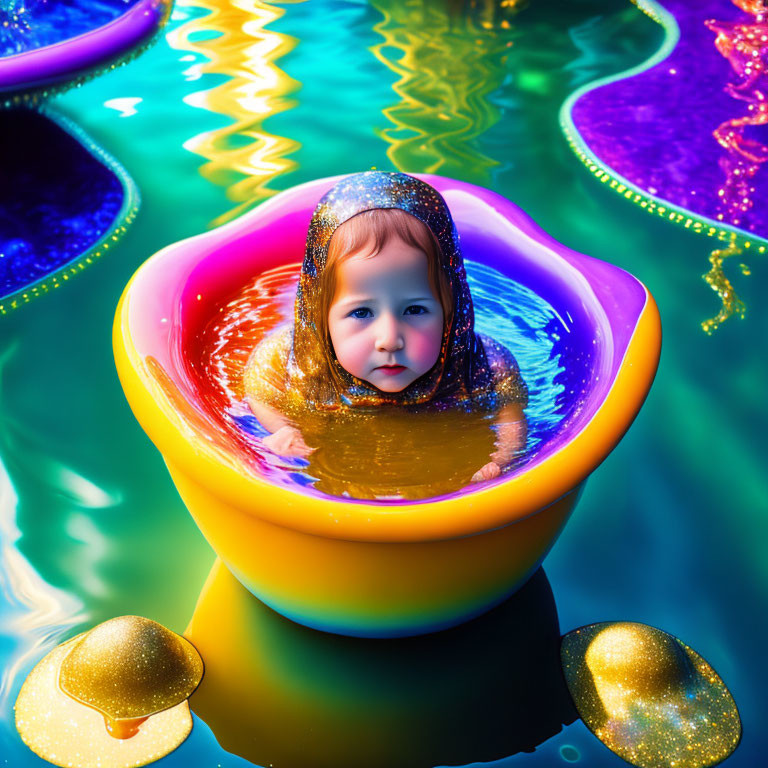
471	370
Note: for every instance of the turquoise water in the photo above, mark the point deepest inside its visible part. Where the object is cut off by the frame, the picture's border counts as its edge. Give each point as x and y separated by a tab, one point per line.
669	531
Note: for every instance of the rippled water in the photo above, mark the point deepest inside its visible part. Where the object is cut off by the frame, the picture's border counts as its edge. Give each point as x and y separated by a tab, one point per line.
385	455
670	530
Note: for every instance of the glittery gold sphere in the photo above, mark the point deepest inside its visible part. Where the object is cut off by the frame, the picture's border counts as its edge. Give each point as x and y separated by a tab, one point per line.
637	660
130	667
649	697
69	734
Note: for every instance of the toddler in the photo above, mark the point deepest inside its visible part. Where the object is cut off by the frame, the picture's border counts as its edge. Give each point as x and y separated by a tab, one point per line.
383	316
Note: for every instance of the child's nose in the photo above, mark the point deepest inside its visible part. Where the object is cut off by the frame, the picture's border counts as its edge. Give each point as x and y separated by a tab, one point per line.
388	334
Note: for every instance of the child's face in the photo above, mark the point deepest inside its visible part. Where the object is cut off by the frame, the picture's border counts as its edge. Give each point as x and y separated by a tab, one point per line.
385	321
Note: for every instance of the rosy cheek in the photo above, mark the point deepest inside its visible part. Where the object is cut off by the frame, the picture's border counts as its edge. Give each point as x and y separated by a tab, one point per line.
352	350
424	345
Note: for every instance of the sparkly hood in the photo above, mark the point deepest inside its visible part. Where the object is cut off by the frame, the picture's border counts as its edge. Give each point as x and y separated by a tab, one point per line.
461	368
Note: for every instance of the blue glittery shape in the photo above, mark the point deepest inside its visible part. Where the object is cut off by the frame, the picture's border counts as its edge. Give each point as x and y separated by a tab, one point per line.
57	200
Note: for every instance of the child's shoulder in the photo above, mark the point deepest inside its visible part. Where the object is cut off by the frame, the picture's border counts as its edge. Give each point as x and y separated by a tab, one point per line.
266	372
508	384
277	342
501	361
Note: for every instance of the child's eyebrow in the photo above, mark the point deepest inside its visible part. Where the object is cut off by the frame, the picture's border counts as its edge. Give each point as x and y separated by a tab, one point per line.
357	300
371	300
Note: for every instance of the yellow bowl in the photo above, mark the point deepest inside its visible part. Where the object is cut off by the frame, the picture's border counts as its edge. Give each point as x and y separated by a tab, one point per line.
382	569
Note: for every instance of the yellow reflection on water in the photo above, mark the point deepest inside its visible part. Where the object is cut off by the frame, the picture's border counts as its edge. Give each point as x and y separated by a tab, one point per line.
236	41
449	55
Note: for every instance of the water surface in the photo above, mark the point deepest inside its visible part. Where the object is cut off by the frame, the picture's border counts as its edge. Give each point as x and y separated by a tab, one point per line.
385	453
670	530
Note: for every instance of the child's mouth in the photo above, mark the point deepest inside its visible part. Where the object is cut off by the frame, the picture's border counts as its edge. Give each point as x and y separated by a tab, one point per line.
391	370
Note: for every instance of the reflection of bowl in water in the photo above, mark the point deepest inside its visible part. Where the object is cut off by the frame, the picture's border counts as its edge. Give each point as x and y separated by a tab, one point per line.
382	568
279	694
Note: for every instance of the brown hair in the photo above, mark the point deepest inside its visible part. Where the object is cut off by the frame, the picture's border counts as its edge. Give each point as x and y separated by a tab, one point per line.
371	231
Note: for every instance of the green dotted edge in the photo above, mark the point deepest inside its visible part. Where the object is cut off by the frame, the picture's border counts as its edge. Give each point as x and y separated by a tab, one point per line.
651	203
127	213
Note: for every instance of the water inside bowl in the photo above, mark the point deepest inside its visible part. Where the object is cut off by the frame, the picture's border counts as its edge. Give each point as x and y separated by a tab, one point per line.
389	455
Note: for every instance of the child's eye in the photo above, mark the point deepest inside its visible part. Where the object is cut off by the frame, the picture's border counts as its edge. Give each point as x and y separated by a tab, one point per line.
361	312
416	309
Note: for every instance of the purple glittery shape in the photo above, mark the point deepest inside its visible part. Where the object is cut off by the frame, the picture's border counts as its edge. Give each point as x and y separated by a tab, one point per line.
656	129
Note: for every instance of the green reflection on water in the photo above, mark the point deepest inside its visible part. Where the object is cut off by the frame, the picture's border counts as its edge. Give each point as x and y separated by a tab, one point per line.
448	63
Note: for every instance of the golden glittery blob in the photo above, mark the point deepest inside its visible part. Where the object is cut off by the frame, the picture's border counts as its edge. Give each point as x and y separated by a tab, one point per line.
67	733
631	662
129	668
716	279
649	697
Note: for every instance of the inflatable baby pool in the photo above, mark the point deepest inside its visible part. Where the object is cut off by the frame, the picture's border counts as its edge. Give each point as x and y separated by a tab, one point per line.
375	568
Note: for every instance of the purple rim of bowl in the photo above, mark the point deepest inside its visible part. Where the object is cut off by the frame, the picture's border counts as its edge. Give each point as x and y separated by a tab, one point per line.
68	59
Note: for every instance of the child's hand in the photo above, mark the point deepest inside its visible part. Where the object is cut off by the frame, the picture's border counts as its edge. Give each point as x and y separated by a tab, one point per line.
488	472
288	442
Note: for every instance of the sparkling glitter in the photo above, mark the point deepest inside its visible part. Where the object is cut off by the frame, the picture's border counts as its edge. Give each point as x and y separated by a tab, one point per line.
743	45
131	667
67	733
719	282
649	697
704	149
61	197
468	368
29	24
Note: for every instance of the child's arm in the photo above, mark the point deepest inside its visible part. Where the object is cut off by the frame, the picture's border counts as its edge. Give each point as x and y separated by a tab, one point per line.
511	435
286	439
265	381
